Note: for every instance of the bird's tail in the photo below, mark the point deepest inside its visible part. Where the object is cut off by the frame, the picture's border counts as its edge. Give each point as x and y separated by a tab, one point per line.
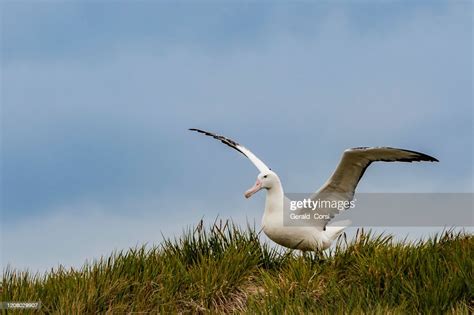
336	229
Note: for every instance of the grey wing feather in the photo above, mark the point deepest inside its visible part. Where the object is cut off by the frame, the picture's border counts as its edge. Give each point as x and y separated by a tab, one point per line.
343	182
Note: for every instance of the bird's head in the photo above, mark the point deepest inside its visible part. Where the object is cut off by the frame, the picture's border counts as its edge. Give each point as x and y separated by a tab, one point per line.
267	180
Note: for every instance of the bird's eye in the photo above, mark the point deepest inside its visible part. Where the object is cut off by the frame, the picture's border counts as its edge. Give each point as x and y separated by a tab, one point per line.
265	176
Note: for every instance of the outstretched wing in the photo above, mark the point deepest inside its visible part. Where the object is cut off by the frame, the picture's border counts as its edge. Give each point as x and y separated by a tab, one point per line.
343	182
231	143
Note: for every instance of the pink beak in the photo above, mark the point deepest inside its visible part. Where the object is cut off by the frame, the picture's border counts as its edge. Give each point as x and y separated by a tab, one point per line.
254	189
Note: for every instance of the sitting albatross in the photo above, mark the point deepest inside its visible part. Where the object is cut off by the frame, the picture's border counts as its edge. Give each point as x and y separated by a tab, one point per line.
341	186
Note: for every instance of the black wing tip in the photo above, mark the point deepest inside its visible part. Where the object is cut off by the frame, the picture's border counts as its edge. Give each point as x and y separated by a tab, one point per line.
419	156
199	130
431	159
231	143
422	156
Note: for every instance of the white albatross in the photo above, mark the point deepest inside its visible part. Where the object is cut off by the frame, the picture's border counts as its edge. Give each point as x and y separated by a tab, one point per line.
316	234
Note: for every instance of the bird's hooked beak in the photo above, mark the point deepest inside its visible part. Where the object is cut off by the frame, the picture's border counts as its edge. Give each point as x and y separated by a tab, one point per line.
254	189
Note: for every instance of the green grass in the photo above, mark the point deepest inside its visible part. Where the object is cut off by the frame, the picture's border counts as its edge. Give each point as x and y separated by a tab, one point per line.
225	269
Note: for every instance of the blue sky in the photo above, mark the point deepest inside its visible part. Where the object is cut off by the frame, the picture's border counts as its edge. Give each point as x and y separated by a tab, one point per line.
97	97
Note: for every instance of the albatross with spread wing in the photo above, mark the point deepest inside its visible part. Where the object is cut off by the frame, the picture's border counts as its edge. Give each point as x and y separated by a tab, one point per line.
339	187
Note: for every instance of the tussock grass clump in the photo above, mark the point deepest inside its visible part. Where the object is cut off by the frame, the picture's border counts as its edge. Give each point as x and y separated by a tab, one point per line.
223	269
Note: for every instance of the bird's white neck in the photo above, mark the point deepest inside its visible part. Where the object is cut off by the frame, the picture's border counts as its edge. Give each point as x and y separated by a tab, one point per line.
274	199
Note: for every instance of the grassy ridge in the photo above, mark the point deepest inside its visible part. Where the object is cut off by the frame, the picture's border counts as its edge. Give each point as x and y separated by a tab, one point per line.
227	269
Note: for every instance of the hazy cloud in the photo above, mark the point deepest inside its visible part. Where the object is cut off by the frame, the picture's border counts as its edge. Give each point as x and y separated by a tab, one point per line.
96	103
